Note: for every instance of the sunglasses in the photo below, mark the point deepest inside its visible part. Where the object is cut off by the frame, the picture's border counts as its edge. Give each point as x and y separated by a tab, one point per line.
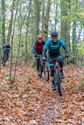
40	39
54	37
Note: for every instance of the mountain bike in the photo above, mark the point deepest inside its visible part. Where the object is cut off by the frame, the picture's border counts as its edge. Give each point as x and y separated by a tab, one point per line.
43	68
57	73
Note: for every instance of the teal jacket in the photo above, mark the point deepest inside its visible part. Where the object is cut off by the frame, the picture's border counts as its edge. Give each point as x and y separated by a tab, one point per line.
54	48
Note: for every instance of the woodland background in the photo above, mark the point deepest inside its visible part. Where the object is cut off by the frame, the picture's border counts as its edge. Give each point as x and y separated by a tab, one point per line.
24	98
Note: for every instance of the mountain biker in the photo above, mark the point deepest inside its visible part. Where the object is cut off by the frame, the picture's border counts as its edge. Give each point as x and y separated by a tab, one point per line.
37	50
53	46
6	50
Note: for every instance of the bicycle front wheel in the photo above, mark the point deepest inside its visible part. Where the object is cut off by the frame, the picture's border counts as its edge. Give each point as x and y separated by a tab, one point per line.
58	80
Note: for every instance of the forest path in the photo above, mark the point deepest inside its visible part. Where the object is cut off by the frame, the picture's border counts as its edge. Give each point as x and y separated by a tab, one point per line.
32	102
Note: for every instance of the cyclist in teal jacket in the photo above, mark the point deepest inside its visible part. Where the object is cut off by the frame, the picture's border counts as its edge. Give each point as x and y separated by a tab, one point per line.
53	46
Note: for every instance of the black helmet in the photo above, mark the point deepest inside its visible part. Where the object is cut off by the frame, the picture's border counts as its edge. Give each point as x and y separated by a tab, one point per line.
54	34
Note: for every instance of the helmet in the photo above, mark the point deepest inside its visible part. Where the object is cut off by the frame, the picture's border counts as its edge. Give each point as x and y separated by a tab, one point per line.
39	36
54	34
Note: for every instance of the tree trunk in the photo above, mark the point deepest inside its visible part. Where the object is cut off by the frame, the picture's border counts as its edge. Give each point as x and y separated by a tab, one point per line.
47	16
0	58
56	13
11	55
27	26
43	14
3	22
37	16
74	39
65	23
11	22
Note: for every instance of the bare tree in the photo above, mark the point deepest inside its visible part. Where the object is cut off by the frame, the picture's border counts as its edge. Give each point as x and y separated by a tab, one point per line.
47	15
3	21
11	22
37	16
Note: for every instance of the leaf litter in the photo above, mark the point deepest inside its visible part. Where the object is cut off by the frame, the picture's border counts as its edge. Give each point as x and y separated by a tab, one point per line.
32	102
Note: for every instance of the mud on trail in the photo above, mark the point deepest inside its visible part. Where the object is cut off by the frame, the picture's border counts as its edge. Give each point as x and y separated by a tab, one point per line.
31	101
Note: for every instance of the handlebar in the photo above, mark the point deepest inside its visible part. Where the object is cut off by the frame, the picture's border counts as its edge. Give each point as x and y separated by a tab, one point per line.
38	56
61	58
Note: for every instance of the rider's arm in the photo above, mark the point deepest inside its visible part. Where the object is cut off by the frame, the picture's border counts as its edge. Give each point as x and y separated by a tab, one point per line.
46	46
64	46
3	46
34	49
43	42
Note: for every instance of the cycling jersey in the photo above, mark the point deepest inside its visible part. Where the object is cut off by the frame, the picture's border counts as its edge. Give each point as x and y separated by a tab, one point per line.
54	47
38	47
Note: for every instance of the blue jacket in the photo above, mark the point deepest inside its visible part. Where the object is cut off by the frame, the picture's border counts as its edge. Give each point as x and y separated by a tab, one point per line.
54	48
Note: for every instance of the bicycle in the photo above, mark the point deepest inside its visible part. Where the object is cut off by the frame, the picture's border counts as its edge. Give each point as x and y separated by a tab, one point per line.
43	68
57	73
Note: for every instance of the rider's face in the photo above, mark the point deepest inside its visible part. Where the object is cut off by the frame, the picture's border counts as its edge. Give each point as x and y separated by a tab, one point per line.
54	39
40	40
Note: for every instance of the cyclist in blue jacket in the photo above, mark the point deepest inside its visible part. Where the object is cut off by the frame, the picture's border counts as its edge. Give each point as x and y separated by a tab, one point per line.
53	46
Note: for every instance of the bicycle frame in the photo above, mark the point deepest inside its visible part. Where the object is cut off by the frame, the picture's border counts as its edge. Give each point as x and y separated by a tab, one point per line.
38	57
57	66
57	74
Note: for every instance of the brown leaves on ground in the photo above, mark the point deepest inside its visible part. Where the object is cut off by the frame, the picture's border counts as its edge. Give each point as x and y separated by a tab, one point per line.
32	102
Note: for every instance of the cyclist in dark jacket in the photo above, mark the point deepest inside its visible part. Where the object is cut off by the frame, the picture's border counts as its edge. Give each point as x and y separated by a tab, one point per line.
6	50
37	50
53	46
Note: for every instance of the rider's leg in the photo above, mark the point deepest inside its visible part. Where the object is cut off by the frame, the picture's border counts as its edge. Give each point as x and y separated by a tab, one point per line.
42	64
52	78
4	58
61	65
7	56
37	64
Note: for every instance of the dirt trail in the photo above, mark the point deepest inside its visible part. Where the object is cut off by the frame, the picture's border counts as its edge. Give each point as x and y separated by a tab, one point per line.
60	110
51	112
32	102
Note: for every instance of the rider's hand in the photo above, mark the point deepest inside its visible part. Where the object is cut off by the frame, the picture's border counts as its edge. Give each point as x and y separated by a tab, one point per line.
44	58
35	55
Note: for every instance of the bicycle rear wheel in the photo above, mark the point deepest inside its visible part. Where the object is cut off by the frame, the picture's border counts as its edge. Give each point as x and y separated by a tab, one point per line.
58	80
40	70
